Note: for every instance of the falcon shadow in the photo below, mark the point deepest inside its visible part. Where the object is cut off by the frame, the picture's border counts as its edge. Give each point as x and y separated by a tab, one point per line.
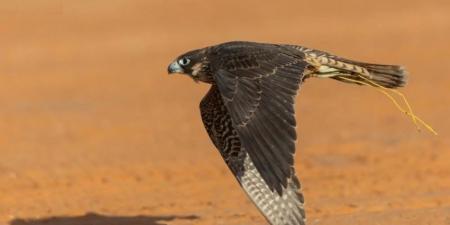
98	219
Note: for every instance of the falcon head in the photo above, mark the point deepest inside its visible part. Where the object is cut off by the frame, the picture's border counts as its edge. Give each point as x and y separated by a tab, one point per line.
194	64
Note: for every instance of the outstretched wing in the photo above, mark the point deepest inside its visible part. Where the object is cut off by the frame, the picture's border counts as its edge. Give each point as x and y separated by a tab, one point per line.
258	84
285	208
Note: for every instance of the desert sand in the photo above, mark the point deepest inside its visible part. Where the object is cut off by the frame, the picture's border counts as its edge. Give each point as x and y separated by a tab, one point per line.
94	132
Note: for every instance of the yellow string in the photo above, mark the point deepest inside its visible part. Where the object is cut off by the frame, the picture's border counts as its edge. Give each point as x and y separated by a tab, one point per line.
416	120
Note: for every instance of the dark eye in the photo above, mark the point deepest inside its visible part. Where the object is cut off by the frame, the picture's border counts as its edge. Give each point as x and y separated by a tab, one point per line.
184	61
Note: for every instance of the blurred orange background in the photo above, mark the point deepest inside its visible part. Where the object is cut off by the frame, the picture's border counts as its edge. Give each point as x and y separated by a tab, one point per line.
91	122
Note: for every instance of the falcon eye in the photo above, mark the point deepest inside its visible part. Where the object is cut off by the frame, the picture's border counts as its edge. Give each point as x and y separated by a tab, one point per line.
184	61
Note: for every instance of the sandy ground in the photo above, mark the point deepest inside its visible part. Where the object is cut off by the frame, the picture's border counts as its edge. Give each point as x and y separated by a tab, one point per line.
94	132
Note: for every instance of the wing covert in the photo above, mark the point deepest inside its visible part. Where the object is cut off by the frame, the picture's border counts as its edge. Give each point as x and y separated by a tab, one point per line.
259	92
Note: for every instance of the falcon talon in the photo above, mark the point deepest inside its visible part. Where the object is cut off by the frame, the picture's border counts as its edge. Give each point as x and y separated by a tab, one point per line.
248	112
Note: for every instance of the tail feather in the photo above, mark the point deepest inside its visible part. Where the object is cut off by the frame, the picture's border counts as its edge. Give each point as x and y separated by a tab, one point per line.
388	76
331	66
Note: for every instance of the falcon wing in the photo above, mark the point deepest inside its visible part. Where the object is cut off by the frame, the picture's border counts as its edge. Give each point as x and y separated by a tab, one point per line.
258	85
279	209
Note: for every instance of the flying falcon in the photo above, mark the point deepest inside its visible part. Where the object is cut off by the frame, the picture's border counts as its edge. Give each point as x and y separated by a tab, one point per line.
249	112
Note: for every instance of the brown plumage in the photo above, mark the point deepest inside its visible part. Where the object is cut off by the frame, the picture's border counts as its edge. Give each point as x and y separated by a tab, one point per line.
249	112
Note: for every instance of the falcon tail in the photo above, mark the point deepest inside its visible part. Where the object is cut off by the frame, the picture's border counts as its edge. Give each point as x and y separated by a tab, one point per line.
388	76
350	71
284	209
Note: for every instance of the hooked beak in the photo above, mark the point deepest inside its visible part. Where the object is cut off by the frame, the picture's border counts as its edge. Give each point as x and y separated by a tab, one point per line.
174	67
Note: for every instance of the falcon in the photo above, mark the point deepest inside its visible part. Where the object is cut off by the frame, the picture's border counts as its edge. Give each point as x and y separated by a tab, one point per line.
249	113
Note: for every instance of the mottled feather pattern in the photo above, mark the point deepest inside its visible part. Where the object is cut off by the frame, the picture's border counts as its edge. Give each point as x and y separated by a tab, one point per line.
279	208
